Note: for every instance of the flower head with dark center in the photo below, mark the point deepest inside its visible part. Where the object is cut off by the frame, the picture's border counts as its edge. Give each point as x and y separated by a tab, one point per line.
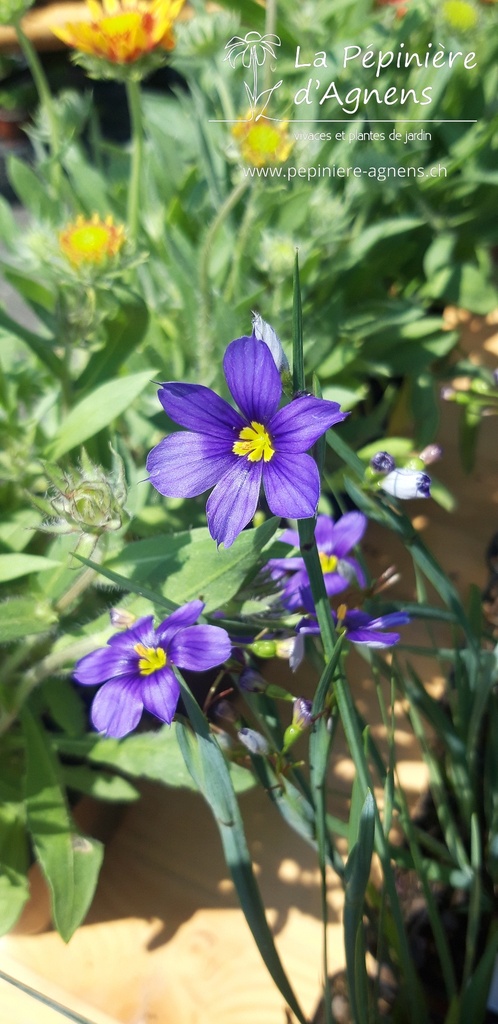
237	452
123	31
334	542
136	668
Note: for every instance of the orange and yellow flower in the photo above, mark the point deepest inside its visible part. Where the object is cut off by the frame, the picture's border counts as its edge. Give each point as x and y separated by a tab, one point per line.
263	141
91	241
123	31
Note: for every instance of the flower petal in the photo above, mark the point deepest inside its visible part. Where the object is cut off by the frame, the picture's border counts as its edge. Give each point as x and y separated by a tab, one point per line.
372	637
232	504
335	583
142	632
179	619
347	532
101	665
297	426
184	464
161	693
200	647
324	532
199	409
117	707
292	486
253	378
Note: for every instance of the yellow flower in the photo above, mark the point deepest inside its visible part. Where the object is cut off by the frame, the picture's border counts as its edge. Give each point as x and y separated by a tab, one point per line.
460	15
263	141
122	31
91	241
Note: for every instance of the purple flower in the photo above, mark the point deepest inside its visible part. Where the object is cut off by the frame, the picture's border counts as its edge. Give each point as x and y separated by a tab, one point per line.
360	627
334	542
239	451
136	668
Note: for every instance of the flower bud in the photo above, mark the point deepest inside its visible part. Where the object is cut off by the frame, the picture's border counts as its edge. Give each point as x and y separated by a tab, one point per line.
252	681
382	462
253	741
431	453
224	711
121	619
291	649
407	483
264	648
262	331
85	500
301	713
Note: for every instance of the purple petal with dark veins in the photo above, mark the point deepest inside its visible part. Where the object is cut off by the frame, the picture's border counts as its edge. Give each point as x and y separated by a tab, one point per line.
232	504
141	632
297	426
292	486
200	647
179	619
372	637
117	707
199	409
253	378
184	464
101	665
161	693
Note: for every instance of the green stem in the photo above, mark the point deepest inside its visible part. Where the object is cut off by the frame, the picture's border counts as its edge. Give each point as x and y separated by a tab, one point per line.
205	350
46	101
137	155
345	703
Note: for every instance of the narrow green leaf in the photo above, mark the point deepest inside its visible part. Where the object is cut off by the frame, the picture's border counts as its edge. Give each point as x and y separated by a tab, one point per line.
14	888
297	333
123	333
357	876
70	861
97	411
208	767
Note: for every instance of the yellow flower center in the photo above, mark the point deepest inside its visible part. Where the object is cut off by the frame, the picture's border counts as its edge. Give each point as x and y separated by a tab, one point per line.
255	443
151	658
91	241
327	562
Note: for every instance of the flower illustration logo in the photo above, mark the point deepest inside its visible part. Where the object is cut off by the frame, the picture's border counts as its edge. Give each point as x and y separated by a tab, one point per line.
252	51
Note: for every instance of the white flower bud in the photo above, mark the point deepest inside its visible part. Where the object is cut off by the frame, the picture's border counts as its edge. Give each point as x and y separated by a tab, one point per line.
407	483
264	332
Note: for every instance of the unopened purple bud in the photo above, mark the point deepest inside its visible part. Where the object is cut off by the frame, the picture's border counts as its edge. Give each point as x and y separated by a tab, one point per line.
382	462
253	741
223	710
407	483
252	681
301	713
431	453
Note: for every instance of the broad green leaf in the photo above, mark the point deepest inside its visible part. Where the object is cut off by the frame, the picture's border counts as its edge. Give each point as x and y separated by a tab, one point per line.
70	862
145	755
192	566
17	532
24	616
15	565
123	333
31	190
14	888
97	411
100	785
